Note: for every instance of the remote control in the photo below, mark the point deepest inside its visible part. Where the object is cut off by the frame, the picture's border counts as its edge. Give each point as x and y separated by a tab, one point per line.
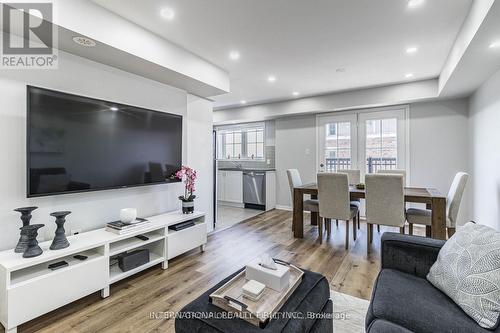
142	237
58	265
80	257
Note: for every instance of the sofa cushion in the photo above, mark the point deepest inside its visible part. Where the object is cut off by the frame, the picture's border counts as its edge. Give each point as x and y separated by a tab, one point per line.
383	326
414	303
468	271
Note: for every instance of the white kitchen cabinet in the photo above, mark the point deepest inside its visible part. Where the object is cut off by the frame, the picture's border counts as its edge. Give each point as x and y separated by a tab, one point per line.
230	186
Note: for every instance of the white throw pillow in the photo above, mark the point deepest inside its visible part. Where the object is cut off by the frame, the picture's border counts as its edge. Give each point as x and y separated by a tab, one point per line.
468	271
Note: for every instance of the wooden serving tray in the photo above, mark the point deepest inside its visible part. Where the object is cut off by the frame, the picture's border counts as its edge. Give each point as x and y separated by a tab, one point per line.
230	298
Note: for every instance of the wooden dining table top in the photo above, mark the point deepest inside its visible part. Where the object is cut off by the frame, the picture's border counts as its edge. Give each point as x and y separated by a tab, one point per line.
412	194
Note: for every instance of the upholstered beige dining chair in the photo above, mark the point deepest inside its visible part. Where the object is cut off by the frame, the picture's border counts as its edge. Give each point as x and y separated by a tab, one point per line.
334	203
395	172
310	205
385	202
353	178
453	201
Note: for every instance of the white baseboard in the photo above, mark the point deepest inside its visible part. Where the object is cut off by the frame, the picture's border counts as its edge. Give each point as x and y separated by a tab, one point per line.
231	204
281	207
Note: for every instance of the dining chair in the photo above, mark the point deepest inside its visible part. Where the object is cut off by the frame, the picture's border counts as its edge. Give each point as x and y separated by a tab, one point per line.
353	178
310	205
334	203
385	203
453	202
395	172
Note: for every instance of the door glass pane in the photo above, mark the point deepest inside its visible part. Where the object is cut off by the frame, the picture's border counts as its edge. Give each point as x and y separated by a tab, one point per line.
337	146
381	144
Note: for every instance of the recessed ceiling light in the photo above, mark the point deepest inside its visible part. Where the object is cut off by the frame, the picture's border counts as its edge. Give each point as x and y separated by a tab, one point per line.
234	55
271	78
415	3
495	45
167	13
409	75
243	102
412	49
113	108
340	70
295	93
84	41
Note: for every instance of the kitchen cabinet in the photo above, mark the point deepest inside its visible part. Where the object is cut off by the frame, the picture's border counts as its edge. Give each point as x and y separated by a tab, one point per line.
230	186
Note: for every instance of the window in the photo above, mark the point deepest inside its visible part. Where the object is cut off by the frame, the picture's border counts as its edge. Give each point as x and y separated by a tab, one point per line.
336	142
240	142
381	144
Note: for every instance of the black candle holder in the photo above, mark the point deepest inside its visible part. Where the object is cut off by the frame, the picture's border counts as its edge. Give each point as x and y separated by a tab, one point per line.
60	241
33	250
22	244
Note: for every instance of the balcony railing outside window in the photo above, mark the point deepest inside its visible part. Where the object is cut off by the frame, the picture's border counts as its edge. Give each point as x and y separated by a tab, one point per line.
372	164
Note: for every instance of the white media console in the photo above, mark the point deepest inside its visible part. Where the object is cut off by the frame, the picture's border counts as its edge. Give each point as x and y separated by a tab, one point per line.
29	289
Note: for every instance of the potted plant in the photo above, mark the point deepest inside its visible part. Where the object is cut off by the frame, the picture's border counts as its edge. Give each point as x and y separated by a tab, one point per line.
188	175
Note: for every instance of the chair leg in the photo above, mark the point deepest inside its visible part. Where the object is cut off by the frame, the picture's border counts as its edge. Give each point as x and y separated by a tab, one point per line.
314	218
359	220
410	228
328	227
371	233
320	230
378	228
428	231
354	229
402	230
368	231
451	232
346	235
337	223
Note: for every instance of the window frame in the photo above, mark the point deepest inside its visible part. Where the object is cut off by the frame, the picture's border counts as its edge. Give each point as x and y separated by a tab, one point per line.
244	128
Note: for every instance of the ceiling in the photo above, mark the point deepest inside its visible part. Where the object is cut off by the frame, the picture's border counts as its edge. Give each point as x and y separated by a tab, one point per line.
312	47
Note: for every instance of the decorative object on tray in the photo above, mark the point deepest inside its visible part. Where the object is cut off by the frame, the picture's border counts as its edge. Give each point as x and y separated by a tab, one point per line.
275	278
360	186
231	296
60	241
120	228
188	175
253	290
22	244
128	215
33	250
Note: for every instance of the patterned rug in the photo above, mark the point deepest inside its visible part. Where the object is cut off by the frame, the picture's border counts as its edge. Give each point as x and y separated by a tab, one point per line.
349	313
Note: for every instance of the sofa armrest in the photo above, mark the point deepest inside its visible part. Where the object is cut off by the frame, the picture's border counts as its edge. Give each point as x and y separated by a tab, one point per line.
409	254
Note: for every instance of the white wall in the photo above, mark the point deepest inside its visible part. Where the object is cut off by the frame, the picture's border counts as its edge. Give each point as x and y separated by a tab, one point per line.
90	210
200	153
438	146
485	152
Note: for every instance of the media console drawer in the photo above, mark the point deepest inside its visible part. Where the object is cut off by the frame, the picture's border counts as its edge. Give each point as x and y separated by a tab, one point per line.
31	299
184	240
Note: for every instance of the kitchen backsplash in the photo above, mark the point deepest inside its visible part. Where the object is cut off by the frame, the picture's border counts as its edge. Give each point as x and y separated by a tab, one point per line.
269	153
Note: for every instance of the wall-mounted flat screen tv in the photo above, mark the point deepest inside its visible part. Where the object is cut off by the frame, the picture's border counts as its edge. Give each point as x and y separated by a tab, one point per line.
77	144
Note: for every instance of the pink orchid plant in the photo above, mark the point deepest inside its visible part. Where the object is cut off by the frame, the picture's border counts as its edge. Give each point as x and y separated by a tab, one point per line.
188	175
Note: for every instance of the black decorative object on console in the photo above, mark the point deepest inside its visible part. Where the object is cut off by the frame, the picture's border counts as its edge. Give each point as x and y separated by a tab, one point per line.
22	244
60	241
33	250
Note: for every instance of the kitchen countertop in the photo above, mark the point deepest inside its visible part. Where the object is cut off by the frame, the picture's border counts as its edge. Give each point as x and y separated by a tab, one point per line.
247	169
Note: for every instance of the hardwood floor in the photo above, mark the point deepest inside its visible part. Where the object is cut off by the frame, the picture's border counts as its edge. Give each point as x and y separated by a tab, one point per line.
132	300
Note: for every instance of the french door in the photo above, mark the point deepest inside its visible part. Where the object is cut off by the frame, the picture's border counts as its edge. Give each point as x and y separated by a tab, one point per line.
364	140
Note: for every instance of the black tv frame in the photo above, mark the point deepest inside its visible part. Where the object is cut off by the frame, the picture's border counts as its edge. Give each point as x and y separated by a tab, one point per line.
28	136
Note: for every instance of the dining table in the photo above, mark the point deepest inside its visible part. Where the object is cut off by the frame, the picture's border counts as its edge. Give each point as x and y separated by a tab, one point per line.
431	197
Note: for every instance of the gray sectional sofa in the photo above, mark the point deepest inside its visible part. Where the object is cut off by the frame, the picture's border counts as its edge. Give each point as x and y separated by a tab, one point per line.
404	301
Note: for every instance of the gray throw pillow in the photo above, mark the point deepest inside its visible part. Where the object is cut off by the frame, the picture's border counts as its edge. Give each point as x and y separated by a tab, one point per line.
468	271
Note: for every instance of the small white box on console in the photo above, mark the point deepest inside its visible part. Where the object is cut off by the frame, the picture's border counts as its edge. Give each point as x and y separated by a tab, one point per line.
275	279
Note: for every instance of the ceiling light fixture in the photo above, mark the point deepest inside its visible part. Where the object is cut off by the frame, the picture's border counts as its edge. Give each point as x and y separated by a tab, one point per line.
409	75
271	78
495	45
415	3
412	49
295	93
234	55
167	13
113	108
243	102
84	41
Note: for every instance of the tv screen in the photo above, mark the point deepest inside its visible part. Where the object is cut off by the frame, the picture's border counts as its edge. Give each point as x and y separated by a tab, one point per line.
78	144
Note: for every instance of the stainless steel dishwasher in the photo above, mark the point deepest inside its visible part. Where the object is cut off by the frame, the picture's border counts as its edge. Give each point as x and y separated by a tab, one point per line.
254	189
